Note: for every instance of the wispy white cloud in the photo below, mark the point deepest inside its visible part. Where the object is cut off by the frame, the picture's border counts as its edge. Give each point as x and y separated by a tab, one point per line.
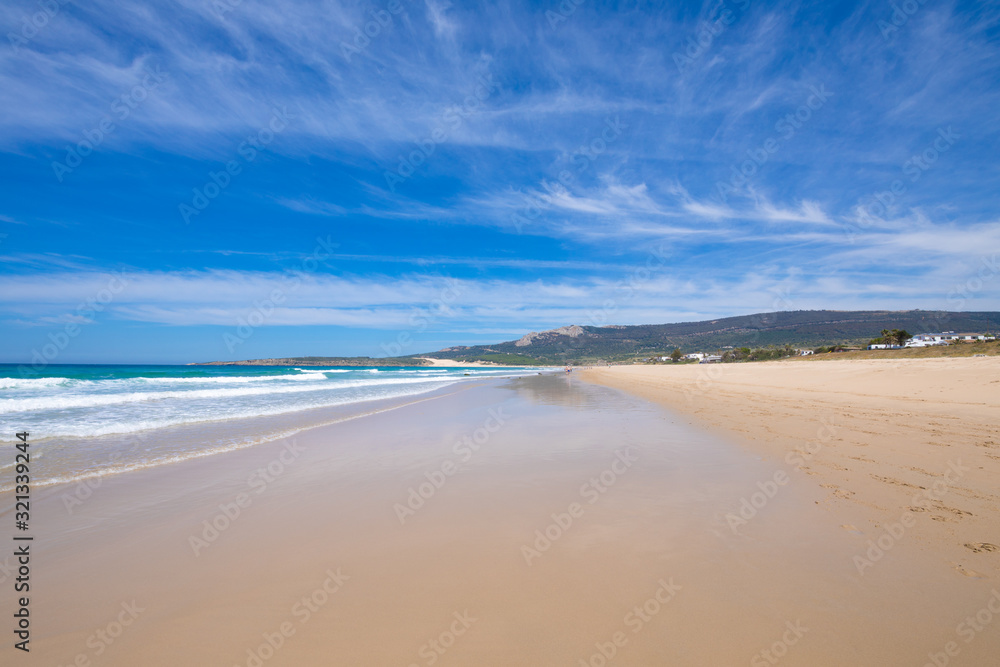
437	11
808	211
638	295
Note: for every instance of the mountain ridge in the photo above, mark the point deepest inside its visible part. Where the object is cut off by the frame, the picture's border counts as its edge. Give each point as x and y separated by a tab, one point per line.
805	328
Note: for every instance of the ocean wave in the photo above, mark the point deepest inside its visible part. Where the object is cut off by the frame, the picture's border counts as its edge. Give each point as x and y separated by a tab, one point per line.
104	427
306	375
64	402
229	379
31	383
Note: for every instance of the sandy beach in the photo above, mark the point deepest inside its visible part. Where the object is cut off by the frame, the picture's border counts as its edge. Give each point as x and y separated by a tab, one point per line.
882	439
543	520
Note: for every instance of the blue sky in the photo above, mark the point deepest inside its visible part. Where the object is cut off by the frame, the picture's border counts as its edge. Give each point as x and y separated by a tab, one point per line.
187	181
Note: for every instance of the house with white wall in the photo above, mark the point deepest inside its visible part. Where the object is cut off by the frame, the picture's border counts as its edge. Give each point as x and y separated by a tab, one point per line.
945	338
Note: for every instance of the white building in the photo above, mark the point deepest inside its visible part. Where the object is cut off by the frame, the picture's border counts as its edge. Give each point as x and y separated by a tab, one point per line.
710	359
695	356
944	338
925	343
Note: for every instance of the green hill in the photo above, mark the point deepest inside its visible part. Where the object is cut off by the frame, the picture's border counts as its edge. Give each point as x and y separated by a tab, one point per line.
801	328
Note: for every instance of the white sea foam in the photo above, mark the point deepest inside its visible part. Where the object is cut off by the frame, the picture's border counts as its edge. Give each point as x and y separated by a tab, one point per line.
230	379
98	428
90	400
31	383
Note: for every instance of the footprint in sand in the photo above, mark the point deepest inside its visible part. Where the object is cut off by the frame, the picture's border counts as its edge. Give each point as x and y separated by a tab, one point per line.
953	510
981	547
967	572
837	491
895	482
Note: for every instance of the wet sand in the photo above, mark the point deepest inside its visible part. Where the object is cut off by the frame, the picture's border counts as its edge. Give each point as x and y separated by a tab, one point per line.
588	523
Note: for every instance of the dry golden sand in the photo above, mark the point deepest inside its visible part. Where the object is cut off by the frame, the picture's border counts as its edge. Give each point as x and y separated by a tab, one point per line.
880	436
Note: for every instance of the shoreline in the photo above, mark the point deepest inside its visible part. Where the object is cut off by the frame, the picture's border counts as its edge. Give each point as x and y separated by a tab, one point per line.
293	425
89	426
291	362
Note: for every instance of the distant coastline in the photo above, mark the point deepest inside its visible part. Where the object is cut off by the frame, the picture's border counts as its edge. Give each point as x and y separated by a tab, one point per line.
354	361
321	361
